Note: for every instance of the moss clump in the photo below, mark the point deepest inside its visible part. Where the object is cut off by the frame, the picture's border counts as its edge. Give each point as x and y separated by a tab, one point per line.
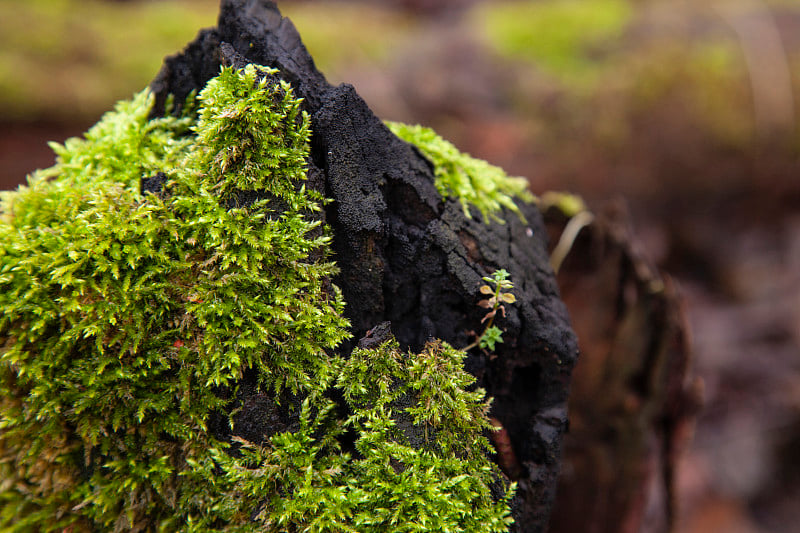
474	182
420	462
424	465
128	320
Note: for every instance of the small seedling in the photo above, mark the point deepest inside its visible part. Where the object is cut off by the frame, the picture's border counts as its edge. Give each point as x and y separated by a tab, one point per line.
498	295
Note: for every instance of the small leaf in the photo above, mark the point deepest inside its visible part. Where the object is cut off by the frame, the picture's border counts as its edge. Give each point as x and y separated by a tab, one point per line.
492	336
508	298
485	289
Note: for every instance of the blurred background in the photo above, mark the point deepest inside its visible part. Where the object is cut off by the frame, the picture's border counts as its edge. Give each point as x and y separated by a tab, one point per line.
688	112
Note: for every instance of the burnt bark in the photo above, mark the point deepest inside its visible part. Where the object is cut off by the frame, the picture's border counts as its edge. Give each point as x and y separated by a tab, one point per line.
408	256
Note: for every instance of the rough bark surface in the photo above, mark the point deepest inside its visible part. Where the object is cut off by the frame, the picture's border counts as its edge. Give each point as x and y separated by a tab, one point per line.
408	257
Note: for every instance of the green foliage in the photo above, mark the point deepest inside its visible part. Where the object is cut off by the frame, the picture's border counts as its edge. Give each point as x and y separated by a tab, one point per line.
499	295
558	35
128	320
473	182
490	337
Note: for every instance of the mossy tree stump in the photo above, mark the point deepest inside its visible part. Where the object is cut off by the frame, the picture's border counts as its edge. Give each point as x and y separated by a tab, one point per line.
405	255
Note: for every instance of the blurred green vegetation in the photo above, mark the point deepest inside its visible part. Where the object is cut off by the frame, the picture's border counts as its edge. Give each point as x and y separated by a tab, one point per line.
71	59
707	80
63	60
562	37
616	64
345	35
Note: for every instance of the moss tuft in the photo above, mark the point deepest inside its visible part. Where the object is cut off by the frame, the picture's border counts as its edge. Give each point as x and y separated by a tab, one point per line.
420	461
127	319
474	182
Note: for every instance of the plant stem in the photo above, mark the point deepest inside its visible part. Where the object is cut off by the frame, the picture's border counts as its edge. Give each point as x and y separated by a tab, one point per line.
490	322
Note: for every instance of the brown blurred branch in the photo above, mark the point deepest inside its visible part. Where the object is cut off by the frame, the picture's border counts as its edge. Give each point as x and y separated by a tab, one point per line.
633	401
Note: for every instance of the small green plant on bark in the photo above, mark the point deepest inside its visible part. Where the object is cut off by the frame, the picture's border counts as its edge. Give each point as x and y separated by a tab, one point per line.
128	320
498	288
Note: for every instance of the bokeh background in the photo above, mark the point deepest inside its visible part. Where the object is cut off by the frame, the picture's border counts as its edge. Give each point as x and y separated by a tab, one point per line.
686	111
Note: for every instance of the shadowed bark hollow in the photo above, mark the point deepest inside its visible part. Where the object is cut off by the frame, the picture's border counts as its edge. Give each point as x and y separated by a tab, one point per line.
407	256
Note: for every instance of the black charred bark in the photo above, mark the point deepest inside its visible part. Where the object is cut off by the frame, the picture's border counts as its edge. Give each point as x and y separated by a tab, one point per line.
406	255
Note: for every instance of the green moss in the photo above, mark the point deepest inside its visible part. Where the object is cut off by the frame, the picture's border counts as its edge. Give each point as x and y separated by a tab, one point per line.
419	464
557	35
474	182
128	320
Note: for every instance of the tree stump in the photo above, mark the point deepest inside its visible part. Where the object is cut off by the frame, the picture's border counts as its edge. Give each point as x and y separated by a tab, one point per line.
408	256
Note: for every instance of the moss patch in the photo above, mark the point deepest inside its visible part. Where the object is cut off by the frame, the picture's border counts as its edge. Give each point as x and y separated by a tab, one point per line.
129	320
474	182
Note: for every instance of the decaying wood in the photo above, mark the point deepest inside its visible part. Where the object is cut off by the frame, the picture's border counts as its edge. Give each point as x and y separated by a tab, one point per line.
632	404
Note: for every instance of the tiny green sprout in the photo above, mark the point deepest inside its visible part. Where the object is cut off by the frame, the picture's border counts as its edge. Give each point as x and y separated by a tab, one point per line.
491	336
498	296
